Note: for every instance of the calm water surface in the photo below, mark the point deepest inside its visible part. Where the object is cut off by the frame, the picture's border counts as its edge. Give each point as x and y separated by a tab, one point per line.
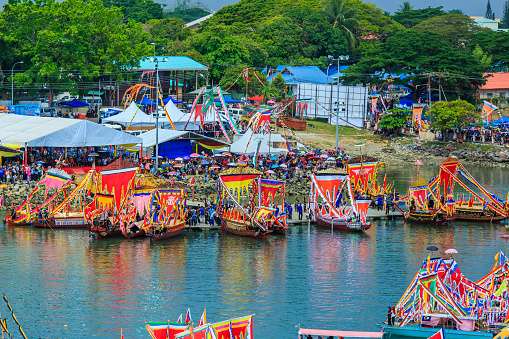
63	285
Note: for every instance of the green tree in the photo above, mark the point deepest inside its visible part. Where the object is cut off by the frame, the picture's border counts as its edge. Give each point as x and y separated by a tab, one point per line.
394	121
137	10
495	44
484	59
453	27
504	23
429	54
489	12
65	44
405	7
342	15
165	31
415	16
451	115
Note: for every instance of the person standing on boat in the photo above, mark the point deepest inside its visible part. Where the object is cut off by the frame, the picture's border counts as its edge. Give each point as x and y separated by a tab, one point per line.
390	316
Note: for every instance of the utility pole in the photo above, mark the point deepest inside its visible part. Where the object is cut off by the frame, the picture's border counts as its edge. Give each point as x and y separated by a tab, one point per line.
157	113
341	57
429	90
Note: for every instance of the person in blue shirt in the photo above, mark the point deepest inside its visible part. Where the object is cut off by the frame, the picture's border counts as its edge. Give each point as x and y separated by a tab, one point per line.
202	214
379	202
300	210
290	210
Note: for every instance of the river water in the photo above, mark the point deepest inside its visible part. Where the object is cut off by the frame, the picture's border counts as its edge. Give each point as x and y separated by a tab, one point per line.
63	285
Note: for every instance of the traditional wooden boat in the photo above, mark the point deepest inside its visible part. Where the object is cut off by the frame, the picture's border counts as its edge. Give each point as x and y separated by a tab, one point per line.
424	206
246	203
326	205
241	327
110	206
54	182
441	298
488	208
74	220
166	217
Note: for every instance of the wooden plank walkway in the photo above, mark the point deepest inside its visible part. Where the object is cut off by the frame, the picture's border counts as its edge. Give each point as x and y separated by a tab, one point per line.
373	214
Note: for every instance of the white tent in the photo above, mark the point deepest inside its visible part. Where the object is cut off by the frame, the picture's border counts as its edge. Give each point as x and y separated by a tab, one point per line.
133	116
149	138
248	143
84	133
19	129
58	132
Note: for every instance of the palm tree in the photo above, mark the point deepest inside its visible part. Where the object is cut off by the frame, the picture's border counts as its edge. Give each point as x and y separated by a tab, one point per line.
405	7
342	15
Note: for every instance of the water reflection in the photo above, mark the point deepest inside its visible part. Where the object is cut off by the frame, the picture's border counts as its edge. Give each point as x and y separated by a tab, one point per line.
313	277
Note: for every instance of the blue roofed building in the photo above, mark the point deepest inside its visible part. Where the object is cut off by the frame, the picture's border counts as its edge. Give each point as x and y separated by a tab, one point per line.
178	75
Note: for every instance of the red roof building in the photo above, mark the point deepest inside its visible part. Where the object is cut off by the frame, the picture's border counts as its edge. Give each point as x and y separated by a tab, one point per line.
497	86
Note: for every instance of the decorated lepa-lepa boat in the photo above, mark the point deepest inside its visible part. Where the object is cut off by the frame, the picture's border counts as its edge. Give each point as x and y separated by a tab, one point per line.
245	203
327	207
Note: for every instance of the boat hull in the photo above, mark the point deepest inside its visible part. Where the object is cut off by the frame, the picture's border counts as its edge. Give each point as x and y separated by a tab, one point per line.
476	215
426	332
21	224
242	228
100	232
170	232
341	225
62	223
428	218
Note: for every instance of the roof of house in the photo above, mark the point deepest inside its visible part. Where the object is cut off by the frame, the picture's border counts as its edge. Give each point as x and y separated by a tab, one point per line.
302	74
198	21
484	21
174	63
496	81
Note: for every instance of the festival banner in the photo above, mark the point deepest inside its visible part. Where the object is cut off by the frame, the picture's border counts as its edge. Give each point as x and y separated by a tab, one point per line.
53	180
362	207
142	201
447	176
165	330
361	174
238	184
118	183
238	327
487	109
330	184
374	100
417	114
269	189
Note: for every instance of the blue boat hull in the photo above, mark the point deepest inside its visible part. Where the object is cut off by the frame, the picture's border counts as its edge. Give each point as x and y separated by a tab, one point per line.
426	332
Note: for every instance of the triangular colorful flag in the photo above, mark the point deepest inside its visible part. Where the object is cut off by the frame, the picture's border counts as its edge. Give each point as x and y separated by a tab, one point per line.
203	319
188	316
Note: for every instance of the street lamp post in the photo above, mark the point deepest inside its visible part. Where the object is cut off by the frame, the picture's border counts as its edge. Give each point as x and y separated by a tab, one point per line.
12	81
157	113
341	57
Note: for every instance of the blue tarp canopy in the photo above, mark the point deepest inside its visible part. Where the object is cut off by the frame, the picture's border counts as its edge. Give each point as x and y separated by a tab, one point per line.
501	121
165	101
145	102
228	100
74	103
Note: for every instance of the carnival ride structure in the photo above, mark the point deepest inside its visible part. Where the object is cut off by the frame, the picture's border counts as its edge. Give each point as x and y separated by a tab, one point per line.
326	202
